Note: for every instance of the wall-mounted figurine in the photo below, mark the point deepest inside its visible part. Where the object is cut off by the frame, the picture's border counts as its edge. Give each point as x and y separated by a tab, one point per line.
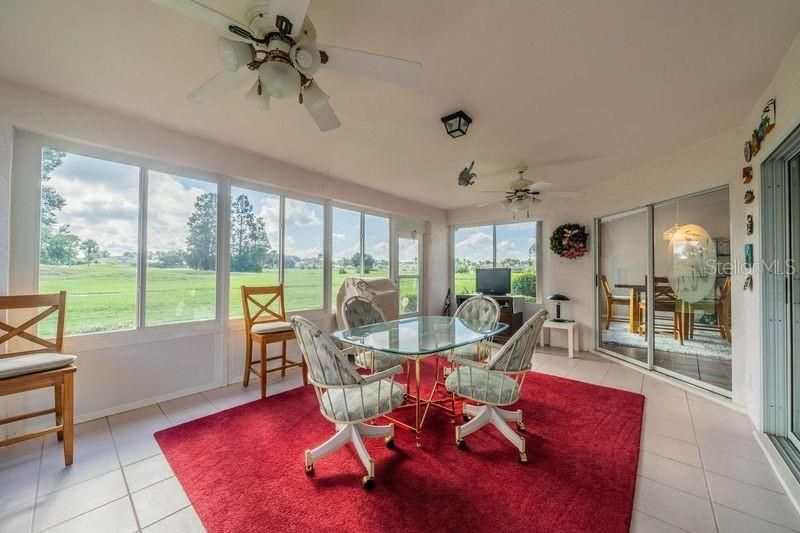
765	125
748	282
749	224
767	120
747	175
748	255
749	196
467	176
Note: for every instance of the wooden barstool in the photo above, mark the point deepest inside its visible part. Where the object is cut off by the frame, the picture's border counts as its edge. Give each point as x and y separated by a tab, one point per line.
265	323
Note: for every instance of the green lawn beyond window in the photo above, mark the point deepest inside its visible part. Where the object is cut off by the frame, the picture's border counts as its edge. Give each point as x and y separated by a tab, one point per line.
103	297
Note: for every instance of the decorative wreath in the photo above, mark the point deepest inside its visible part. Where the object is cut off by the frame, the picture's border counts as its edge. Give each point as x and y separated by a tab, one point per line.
569	240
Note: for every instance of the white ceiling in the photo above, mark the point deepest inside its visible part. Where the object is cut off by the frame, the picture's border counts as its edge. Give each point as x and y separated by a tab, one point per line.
580	91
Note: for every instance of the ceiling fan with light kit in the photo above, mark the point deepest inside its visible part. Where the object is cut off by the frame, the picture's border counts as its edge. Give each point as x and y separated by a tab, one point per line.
278	46
522	194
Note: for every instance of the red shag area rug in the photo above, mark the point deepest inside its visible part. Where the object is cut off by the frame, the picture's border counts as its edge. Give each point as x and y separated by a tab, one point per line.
243	468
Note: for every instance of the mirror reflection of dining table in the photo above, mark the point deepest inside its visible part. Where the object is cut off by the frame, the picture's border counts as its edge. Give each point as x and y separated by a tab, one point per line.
416	338
683	310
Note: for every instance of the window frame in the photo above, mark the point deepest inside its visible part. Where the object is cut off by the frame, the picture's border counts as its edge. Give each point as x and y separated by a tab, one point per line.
363	212
24	268
493	224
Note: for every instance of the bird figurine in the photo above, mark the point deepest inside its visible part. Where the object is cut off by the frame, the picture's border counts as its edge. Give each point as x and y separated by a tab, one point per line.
467	177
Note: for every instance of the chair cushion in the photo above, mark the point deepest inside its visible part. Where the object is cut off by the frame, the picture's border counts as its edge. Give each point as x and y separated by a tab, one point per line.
332	401
501	388
383	360
271	327
36	362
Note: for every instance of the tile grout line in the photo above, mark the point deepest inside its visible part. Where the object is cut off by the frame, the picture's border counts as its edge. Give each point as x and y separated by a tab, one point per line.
124	478
171	514
36	490
752	516
703	466
660	520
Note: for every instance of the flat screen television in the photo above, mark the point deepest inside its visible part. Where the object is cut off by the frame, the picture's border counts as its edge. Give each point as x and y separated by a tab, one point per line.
495	281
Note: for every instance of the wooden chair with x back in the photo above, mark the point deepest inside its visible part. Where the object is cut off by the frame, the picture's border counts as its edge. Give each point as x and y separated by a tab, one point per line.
37	363
265	323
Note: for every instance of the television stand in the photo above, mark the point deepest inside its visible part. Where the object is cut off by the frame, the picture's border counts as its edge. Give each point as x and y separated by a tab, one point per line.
507	314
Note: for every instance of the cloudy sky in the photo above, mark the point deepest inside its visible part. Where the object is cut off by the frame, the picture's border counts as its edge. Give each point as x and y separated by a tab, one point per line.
102	204
346	234
513	242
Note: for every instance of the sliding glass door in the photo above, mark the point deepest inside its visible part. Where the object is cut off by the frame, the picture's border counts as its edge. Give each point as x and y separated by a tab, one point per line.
664	288
692	287
622	281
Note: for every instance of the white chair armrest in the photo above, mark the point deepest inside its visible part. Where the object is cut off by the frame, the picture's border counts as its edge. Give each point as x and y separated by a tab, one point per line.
377	376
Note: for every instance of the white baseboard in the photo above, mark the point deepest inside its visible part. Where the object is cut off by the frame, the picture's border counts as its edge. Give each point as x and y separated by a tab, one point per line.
688	387
109	411
789	483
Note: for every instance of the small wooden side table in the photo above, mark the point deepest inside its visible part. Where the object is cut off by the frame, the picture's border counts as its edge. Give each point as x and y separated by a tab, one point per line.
573	343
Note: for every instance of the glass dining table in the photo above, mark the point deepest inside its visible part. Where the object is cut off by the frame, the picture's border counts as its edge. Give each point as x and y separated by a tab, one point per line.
417	338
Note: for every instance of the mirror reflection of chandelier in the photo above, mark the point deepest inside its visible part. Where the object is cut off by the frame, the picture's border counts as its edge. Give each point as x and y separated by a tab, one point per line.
672	230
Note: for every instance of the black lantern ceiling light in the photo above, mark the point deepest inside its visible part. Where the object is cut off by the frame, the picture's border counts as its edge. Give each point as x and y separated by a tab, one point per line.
457	124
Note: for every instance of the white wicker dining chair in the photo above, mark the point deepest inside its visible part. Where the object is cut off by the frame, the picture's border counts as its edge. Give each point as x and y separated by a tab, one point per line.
346	398
496	383
480	313
358	311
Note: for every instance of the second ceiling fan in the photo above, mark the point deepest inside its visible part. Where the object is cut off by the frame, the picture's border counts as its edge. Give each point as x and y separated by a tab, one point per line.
278	47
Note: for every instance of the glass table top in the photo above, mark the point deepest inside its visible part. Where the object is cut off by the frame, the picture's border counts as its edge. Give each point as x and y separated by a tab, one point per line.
422	335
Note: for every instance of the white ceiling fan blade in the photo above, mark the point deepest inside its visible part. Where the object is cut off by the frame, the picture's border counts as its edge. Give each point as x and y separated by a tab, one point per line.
558	194
374	66
294	10
325	118
220	85
540	185
201	13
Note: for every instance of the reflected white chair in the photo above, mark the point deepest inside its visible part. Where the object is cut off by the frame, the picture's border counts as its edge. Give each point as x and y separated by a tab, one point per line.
358	311
346	398
496	383
480	313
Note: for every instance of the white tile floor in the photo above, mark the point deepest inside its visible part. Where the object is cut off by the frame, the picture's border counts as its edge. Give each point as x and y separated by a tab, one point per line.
700	468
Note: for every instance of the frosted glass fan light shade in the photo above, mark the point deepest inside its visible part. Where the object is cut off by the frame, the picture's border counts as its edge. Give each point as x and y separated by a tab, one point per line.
234	54
279	79
259	100
505	203
520	205
314	97
305	58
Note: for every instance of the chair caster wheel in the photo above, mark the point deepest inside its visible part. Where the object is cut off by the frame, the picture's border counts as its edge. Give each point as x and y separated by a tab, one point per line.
523	458
310	470
367	482
521	426
461	443
389	443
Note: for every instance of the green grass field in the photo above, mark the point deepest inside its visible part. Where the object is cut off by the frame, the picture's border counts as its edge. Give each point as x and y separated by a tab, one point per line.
103	297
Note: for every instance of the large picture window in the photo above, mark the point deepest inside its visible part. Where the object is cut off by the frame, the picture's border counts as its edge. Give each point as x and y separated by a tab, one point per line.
359	247
303	274
89	240
511	246
181	249
255	243
136	247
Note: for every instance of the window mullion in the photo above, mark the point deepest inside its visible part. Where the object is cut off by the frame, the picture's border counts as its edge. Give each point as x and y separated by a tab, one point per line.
282	239
361	244
141	261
